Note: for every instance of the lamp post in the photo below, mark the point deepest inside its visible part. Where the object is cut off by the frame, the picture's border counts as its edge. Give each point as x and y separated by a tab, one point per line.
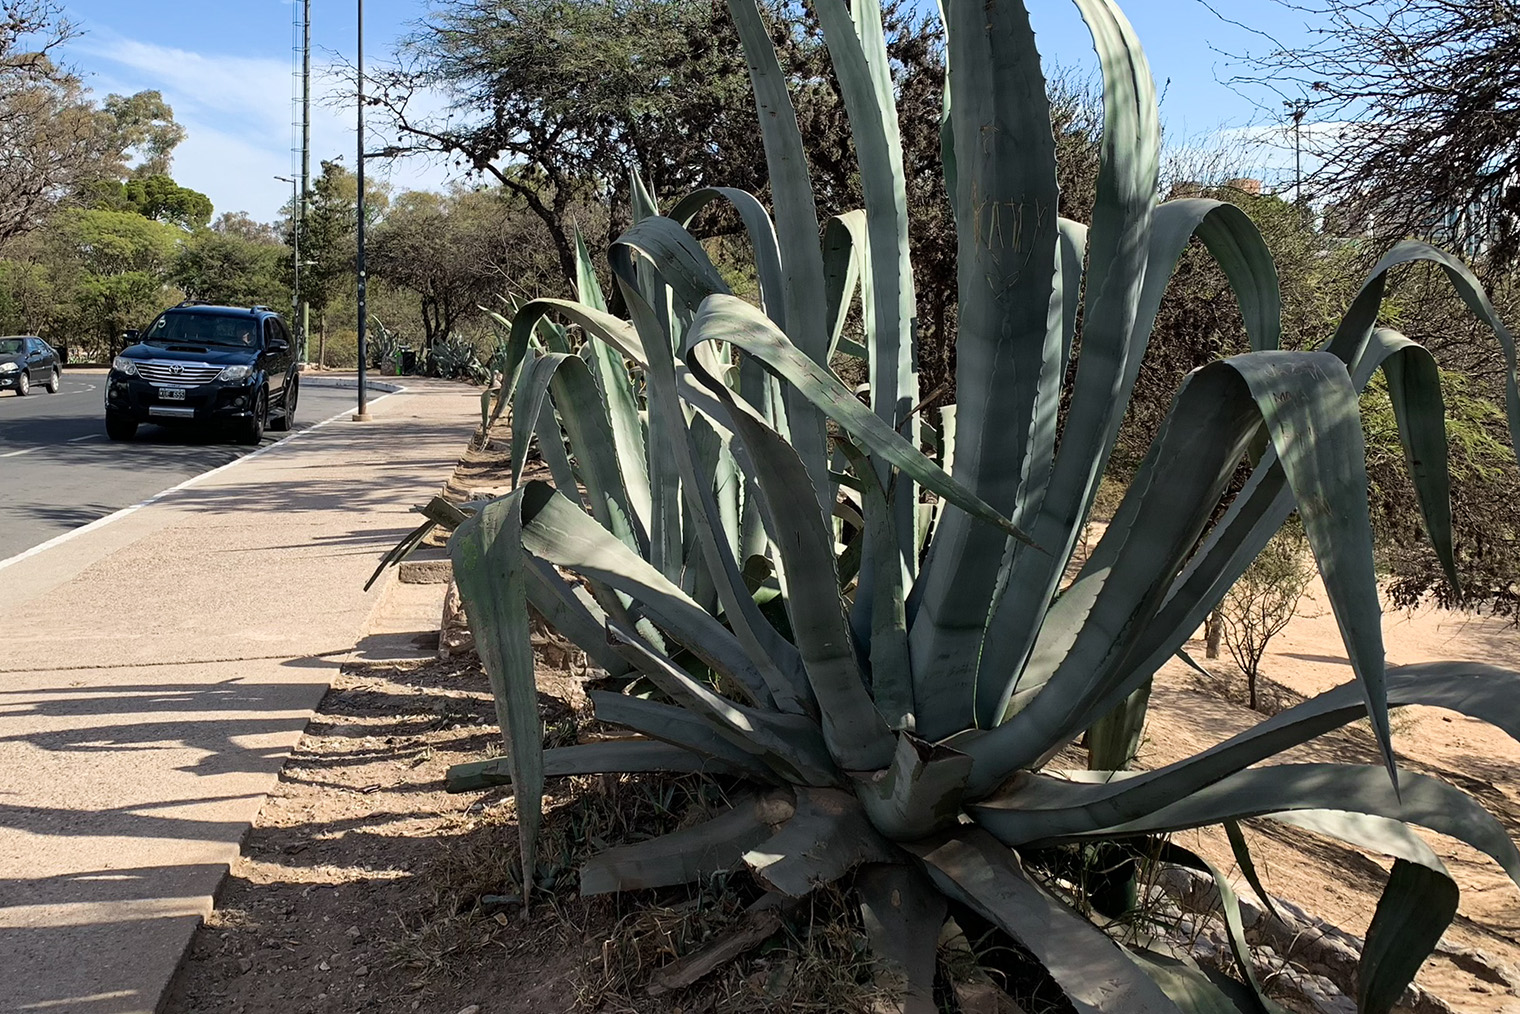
362	412
1297	109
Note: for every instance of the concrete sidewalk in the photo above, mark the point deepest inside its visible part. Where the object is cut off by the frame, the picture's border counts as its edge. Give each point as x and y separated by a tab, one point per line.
156	671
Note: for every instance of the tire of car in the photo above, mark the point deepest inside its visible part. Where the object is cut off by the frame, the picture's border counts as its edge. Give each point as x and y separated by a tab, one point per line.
287	420
251	432
23	384
54	381
119	427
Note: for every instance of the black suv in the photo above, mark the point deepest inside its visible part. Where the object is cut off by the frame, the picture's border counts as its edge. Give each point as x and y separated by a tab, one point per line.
208	365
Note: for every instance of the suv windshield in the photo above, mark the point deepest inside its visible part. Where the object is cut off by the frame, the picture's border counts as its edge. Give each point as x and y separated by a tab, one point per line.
10	346
204	329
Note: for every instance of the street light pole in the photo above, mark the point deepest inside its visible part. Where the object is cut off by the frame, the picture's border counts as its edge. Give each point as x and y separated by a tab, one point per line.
295	241
305	308
362	414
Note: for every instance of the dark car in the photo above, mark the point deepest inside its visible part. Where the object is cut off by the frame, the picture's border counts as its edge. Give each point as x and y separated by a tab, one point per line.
222	366
27	361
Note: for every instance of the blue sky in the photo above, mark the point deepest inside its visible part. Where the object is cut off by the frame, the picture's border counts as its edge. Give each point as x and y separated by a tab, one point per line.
226	70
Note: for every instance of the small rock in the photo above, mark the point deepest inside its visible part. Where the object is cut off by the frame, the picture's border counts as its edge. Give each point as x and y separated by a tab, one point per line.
245	965
362	970
354	933
324	966
473	1008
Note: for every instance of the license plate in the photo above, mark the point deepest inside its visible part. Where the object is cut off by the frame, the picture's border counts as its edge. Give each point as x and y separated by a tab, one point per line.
172	393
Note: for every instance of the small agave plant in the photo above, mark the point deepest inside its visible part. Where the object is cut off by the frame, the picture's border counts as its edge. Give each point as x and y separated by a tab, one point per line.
893	671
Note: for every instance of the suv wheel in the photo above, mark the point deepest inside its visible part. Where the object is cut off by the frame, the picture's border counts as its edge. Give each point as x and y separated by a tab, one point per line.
119	427
53	381
251	431
23	384
287	420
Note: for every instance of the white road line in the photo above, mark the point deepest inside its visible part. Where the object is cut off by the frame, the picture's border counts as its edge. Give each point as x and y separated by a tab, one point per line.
87	436
16	454
193	480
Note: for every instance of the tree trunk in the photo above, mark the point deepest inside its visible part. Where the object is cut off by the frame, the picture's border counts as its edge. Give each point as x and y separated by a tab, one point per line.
1213	630
322	340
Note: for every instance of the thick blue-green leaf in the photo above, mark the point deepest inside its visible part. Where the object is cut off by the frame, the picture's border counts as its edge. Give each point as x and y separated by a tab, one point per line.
856	733
879	612
612	757
559	532
974	869
573	611
1009	334
1417	905
796	218
735	321
903	915
488	565
778	661
1105	614
845	270
1420	799
678	727
1357	325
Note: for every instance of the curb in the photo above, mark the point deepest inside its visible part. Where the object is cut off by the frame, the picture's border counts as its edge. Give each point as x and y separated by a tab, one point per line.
348	383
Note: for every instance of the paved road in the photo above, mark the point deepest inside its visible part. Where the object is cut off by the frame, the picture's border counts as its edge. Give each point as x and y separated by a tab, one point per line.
58	471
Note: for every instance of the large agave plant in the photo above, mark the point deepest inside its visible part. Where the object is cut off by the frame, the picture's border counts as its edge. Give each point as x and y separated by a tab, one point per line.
893	670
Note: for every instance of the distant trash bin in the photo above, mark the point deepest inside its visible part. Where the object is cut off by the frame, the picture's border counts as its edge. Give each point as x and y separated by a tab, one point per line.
408	361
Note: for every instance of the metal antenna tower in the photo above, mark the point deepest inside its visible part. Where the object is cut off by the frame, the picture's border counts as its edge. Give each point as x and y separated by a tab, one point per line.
300	167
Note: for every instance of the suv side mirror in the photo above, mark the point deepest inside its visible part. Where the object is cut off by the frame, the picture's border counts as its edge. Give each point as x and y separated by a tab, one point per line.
131	336
277	345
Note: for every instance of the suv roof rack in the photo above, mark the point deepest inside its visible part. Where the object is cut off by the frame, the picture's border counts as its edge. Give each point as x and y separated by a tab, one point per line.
192	302
259	306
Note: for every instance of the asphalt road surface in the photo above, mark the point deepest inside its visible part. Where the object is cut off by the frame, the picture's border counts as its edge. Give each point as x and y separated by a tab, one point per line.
59	471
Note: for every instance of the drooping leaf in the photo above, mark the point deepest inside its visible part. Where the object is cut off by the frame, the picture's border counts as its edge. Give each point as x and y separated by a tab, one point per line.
827	837
903	914
613	757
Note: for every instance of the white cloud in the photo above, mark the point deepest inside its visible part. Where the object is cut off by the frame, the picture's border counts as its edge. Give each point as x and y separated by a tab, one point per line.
238	113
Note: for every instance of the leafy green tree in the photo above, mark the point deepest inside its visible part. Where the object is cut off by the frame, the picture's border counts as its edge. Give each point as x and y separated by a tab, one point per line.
157	197
113	268
329	244
222	265
457	251
143	132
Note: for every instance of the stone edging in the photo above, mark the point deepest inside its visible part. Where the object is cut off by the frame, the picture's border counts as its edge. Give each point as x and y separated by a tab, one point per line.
1304	955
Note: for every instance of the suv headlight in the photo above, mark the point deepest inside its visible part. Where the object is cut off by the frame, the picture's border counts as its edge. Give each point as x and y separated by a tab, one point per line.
9	368
121	364
235	373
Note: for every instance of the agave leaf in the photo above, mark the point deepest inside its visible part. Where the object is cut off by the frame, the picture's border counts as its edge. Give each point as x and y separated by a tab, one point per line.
557	531
678	727
1247	865
676	255
788	743
975	870
1010	332
551	445
852	726
1073	266
691	853
1417	905
575	613
1237	245
1358	323
757	387
1483	692
629	756
1414	389
618	391
858	52
845	270
401	550
1122	584
919	793
779	662
1235	930
1421	800
487	554
735	321
1192	989
592	438
796	217
879	599
826	838
903	915
532	391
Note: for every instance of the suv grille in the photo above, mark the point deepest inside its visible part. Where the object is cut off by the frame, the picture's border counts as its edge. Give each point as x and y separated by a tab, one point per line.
177	374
